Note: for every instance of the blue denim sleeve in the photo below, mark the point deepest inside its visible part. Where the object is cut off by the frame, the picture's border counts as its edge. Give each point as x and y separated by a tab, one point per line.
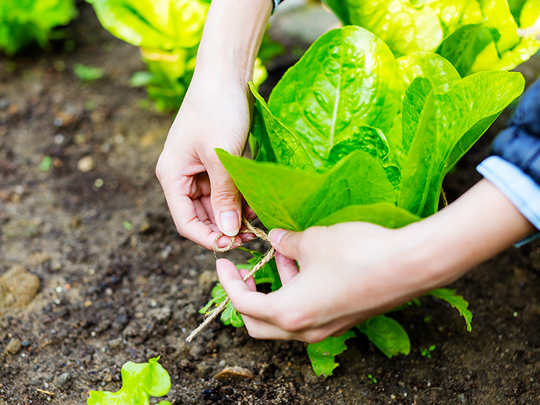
515	168
517	186
277	3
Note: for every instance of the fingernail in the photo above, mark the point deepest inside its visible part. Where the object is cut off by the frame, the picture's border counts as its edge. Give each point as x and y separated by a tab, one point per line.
275	235
229	223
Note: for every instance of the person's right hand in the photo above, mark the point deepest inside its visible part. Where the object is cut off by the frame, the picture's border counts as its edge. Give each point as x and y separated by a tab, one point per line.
201	195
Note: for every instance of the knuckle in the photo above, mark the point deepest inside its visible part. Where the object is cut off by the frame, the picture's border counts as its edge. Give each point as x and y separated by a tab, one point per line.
294	321
224	196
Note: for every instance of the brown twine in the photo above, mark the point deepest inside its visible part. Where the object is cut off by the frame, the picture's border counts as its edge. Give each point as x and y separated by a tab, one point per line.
267	257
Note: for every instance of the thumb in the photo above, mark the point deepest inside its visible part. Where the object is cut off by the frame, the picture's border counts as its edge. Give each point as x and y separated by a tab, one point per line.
225	198
286	242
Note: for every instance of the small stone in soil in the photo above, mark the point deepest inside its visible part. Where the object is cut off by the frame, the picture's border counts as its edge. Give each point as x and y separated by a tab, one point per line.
85	164
13	347
18	287
63	380
234	372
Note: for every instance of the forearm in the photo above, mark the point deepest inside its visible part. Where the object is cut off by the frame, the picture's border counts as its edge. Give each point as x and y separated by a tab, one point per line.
477	226
232	36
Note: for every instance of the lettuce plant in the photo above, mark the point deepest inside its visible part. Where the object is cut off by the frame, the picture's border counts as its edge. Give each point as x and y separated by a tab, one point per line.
139	383
25	21
168	33
473	35
367	137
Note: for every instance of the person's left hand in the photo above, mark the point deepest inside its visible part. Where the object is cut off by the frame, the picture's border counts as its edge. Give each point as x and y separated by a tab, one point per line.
349	273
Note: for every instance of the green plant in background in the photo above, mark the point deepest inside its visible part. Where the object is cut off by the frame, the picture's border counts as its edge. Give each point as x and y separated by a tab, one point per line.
88	73
473	35
168	33
372	379
23	22
427	351
139	383
366	137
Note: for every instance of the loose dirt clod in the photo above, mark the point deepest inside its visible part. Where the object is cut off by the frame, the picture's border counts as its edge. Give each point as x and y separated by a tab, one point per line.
18	288
13	347
234	373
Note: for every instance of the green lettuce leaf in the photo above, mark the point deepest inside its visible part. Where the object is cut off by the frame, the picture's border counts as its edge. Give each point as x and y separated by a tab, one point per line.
474	35
229	316
449	123
322	354
454	14
283	147
529	13
456	301
404	27
346	80
428	65
383	214
492	43
139	383
387	335
273	191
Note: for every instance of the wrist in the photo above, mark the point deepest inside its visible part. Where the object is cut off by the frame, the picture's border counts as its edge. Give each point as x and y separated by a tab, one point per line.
232	36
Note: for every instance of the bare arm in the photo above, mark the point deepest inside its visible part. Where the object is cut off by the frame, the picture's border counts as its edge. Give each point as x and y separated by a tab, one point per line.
215	114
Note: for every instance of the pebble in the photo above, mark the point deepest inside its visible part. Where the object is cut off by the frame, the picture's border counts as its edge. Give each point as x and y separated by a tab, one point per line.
145	228
235	372
160	314
204	368
18	287
13	347
116	343
85	164
63	380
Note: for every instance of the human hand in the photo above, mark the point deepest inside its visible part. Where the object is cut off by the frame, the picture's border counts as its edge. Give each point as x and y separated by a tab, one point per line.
349	273
215	114
201	195
353	271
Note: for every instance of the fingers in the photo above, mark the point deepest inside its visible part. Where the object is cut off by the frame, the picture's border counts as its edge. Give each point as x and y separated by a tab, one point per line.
225	197
287	268
250	281
244	299
286	242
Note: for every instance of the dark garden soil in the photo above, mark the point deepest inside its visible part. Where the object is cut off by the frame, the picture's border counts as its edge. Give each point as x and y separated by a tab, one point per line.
116	283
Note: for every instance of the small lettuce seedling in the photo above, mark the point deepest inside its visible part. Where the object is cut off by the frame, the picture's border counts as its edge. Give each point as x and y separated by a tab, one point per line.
427	352
139	383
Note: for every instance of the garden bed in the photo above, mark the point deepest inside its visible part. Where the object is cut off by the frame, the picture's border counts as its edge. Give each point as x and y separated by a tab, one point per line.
117	283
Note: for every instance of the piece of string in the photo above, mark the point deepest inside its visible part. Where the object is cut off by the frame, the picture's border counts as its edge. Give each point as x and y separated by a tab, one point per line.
267	257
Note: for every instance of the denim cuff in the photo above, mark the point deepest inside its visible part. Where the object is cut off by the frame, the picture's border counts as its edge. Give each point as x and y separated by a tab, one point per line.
517	186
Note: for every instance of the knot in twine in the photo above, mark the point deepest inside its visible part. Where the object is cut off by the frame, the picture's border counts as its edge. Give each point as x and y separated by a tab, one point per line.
259	233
